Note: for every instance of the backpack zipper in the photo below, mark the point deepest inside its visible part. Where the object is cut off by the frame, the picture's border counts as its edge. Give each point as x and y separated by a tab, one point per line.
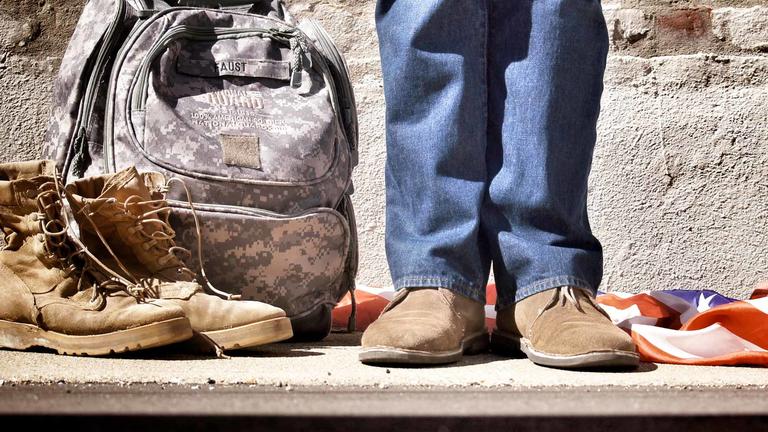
108	156
292	38
253	211
81	159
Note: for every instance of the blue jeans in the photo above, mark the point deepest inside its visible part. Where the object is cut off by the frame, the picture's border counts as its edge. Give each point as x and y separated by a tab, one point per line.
491	117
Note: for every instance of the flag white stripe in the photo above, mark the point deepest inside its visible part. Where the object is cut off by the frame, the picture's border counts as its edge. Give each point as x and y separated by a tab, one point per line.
688	344
387	293
625	318
760	304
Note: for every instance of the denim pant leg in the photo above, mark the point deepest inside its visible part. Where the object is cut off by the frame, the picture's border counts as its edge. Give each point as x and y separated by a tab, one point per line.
546	60
433	64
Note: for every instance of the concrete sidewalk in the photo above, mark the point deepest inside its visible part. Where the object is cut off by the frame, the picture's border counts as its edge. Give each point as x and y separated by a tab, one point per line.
333	363
321	386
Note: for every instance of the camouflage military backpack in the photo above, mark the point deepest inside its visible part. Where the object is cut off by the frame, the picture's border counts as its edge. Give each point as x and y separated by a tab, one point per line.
253	112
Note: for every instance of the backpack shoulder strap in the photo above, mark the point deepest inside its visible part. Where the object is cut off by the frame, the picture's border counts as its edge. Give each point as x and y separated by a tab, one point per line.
342	81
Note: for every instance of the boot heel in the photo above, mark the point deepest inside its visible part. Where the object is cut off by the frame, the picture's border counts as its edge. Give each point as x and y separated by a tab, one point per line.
506	345
19	336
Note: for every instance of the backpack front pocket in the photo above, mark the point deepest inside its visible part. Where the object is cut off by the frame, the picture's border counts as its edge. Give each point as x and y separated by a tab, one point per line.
295	262
235	104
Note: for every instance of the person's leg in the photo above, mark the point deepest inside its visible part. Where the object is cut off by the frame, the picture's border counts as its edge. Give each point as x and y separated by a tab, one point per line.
434	70
546	65
433	65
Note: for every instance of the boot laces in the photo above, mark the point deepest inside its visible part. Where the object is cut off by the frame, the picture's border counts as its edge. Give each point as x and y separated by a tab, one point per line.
53	223
65	249
151	222
568	294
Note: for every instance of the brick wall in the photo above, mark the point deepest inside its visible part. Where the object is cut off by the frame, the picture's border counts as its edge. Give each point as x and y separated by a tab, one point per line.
653	28
678	194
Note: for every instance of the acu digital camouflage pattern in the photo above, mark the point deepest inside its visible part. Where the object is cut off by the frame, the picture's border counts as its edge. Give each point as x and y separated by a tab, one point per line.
302	152
294	263
249	121
72	118
76	127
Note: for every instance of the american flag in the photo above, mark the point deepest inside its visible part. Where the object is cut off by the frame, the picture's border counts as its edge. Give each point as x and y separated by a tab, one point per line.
693	327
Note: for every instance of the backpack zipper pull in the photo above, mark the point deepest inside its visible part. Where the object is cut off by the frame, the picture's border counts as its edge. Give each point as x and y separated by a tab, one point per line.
82	158
296	62
299	50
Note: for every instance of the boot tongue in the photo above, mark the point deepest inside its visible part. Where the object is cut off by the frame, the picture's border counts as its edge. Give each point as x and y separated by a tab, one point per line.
125	184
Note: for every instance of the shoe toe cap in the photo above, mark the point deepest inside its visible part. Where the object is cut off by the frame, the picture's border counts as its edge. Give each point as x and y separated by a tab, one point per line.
413	336
577	338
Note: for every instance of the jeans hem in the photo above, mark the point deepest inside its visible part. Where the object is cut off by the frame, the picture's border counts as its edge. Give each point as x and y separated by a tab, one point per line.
543	285
458	286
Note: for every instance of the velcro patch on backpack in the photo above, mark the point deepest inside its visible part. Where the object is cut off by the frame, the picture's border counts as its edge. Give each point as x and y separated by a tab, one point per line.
241	150
252	68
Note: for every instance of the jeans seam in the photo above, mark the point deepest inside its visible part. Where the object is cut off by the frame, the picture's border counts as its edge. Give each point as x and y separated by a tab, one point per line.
431	278
458	285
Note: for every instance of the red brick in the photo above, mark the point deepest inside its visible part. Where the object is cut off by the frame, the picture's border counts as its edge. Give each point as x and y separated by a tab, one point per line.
691	22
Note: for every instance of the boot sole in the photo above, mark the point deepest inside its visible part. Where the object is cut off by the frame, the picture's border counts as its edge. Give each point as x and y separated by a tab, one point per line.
20	336
507	344
251	335
474	344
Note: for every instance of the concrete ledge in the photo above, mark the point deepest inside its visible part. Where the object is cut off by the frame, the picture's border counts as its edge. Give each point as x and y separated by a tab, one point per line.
333	364
640	423
155	407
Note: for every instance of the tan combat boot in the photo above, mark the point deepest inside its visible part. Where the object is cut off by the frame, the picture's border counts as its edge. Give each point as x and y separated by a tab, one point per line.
425	326
123	217
50	293
564	328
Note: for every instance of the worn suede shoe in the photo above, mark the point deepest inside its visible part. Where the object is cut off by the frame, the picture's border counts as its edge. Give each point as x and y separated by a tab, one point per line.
425	326
563	328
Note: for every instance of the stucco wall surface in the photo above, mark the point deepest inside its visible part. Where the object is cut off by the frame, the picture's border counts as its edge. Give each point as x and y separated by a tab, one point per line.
679	190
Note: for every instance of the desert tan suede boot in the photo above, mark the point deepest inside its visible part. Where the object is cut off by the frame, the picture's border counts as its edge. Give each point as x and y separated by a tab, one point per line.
564	328
425	326
51	294
123	218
